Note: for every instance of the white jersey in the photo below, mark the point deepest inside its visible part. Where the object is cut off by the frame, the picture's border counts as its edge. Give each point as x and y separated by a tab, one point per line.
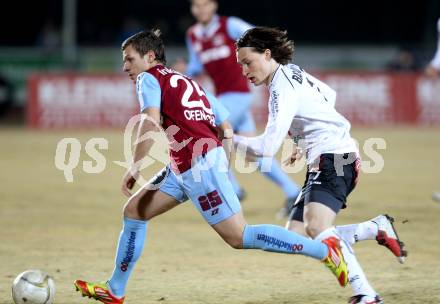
436	60
303	107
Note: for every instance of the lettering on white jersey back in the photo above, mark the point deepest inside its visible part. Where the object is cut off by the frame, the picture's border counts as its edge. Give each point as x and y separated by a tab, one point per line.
296	73
298	76
306	105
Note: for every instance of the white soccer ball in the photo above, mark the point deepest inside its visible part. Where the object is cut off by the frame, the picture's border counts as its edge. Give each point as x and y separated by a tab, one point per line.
33	287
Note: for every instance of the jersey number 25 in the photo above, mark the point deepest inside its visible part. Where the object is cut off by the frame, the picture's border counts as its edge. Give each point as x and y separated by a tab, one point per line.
188	92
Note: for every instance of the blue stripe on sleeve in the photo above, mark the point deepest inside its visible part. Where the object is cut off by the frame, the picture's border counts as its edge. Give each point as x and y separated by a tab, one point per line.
148	91
236	27
194	67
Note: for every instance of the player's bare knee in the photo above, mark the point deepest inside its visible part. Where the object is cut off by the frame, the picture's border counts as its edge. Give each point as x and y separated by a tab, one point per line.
131	209
313	229
235	242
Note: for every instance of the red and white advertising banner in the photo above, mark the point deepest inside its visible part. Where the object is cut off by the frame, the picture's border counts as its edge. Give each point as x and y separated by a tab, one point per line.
365	98
428	101
80	100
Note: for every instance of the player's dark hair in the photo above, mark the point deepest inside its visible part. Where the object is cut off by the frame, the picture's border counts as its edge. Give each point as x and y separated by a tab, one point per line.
145	41
263	38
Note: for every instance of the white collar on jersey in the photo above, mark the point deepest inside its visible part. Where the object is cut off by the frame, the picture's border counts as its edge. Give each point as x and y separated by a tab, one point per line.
207	31
279	67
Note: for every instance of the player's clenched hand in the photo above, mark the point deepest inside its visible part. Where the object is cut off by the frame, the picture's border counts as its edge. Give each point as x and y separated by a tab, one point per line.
296	155
129	180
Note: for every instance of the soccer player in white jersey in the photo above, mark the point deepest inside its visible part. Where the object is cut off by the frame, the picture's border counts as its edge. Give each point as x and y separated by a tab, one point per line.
303	107
433	68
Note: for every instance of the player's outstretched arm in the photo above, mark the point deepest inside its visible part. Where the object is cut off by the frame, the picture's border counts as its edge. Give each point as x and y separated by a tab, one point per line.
282	110
149	123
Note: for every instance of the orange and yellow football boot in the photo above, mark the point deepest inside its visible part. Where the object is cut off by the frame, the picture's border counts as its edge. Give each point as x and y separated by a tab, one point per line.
335	260
97	291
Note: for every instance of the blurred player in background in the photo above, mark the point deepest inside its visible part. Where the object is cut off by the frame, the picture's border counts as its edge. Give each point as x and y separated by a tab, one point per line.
211	48
198	171
433	68
303	107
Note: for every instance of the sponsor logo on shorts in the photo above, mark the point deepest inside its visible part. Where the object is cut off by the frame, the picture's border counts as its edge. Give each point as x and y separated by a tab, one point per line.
209	201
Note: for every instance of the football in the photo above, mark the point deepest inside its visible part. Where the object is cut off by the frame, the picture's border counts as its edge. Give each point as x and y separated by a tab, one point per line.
33	287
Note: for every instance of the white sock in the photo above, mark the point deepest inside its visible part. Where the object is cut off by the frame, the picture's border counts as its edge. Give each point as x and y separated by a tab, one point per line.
356	276
358	232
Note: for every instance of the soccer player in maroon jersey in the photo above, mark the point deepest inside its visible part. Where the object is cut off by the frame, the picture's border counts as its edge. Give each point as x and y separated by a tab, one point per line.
198	172
433	70
211	48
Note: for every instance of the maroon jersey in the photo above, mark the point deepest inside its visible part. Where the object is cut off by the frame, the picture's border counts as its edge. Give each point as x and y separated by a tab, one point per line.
187	117
216	52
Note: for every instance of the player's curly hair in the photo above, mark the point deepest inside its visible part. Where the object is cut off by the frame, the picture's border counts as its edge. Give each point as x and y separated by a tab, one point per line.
263	38
145	41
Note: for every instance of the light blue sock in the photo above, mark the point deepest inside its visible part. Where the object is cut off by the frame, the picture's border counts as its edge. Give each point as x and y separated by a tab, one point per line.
277	239
272	170
131	243
234	182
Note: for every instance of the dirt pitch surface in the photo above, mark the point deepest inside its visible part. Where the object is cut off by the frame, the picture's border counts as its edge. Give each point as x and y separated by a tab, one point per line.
70	230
